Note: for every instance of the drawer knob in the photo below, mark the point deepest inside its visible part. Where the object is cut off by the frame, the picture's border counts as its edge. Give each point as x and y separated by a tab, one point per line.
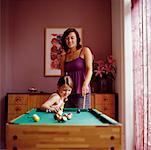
112	148
112	137
18	109
15	137
105	108
18	99
14	148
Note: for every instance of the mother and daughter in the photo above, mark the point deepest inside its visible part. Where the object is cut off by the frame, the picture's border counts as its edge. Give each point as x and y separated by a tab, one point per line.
73	88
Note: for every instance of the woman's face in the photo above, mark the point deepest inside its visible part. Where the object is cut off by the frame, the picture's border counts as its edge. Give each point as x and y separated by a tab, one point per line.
64	91
71	40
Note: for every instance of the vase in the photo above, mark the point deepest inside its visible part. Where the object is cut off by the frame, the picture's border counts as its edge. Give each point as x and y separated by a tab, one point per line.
95	85
106	85
102	85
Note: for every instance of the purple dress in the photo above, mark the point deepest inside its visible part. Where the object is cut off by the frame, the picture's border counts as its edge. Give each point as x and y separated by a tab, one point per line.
76	70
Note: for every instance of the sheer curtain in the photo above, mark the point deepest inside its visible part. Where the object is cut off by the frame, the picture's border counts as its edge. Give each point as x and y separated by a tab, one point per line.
141	32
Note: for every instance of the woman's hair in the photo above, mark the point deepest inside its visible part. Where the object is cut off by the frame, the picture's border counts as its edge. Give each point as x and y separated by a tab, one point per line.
65	80
65	34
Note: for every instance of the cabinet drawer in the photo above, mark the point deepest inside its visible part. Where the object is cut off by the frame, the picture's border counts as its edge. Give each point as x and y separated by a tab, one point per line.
36	101
102	99
107	111
106	103
17	99
17	109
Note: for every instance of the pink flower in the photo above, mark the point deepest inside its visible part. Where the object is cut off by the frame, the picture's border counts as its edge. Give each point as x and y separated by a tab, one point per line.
104	69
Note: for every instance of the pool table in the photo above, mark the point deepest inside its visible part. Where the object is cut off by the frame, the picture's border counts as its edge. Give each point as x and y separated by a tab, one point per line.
87	130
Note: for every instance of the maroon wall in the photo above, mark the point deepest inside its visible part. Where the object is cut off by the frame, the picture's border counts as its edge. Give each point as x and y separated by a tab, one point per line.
23	37
28	18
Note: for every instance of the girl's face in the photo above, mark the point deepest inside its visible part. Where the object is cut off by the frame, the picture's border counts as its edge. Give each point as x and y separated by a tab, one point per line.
64	91
71	40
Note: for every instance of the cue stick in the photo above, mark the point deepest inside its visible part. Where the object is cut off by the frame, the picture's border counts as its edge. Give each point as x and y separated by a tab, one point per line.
84	101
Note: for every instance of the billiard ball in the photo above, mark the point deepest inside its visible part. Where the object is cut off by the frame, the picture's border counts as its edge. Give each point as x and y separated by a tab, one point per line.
35	117
69	116
48	110
65	114
64	118
60	112
78	110
70	113
55	116
59	118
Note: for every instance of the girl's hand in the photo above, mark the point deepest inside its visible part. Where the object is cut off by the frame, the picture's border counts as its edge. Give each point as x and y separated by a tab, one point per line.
55	109
66	99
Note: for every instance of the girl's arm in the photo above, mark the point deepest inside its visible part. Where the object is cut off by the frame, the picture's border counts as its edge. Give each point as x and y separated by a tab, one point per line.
52	101
88	62
62	106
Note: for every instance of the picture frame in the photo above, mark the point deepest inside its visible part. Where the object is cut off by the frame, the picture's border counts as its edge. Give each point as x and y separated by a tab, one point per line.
53	50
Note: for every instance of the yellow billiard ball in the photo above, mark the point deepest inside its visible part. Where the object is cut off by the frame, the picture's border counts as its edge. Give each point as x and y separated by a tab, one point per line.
36	118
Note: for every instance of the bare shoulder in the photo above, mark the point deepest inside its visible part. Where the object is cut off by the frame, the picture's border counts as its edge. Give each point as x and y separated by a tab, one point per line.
86	51
54	96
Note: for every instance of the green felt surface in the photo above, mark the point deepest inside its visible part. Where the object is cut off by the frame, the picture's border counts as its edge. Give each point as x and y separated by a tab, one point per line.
85	117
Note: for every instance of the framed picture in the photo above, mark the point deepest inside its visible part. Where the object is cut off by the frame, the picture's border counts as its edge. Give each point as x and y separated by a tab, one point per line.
53	50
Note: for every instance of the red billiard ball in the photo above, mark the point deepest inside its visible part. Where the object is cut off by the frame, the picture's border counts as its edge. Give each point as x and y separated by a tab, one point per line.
59	118
65	114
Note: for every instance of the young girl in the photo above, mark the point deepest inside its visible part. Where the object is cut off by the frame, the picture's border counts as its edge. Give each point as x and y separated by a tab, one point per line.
57	100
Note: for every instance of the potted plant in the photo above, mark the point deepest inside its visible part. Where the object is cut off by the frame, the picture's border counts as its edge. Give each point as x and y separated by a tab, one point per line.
104	74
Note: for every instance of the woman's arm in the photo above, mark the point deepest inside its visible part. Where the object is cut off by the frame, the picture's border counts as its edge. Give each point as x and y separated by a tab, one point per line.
62	64
88	62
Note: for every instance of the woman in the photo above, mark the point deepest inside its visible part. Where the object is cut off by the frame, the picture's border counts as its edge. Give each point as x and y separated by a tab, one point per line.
77	63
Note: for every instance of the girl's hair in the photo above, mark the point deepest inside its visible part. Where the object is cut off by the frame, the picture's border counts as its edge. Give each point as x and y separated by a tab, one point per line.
65	34
65	80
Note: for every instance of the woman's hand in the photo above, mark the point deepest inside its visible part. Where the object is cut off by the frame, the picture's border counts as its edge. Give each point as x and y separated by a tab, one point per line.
85	90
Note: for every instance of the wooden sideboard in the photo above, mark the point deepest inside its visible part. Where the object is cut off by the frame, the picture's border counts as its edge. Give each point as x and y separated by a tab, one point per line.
106	103
19	103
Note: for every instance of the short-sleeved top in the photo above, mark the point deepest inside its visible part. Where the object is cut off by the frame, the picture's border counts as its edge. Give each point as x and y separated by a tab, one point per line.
76	69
